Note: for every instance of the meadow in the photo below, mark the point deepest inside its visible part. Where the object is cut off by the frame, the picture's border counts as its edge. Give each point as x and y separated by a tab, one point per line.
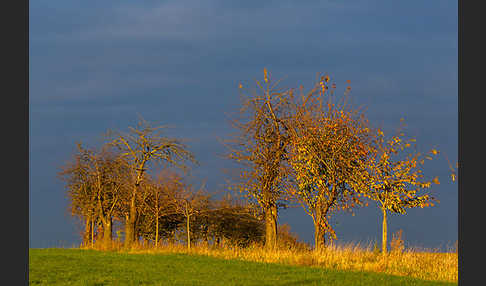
175	265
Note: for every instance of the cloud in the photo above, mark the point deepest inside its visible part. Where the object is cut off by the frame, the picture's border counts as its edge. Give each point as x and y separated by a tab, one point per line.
196	20
133	48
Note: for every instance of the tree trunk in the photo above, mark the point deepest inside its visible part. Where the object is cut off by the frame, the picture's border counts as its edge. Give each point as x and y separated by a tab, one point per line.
87	232
107	232
271	227
92	232
384	237
131	223
320	239
156	220
319	231
156	231
188	234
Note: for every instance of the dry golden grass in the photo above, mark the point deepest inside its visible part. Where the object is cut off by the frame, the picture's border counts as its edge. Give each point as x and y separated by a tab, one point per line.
427	265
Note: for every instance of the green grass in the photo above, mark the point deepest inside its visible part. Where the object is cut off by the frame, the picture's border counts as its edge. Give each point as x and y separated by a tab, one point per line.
88	267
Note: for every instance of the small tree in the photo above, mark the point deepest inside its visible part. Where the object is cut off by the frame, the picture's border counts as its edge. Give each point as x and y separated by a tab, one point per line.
190	203
141	146
160	206
395	178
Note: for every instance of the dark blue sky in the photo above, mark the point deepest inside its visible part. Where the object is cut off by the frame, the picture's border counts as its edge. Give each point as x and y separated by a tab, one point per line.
96	65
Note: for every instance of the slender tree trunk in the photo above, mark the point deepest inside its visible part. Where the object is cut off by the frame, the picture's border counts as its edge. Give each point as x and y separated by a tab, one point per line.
271	227
188	234
156	220
87	232
107	232
384	237
92	232
156	231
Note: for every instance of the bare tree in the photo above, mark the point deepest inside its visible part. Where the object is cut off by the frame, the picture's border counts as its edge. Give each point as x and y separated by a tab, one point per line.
159	202
80	192
141	146
190	203
95	179
108	172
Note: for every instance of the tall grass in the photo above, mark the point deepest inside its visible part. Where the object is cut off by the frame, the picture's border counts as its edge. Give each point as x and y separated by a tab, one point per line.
427	265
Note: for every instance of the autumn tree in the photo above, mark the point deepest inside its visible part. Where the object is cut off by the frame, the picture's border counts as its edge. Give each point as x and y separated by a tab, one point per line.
329	146
95	181
108	172
260	146
80	192
141	146
396	180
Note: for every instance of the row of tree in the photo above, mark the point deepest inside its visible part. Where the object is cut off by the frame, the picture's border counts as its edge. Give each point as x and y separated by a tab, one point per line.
313	149
105	189
317	150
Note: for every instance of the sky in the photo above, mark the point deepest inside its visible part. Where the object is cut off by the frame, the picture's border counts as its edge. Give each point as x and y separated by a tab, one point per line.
99	65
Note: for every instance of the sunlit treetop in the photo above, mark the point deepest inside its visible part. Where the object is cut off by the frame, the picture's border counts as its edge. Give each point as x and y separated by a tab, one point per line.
396	179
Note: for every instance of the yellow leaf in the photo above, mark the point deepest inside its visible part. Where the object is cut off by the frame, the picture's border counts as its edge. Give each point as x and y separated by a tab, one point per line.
436	180
435	152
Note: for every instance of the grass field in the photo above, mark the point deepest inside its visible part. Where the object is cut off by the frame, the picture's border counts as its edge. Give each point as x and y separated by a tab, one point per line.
90	267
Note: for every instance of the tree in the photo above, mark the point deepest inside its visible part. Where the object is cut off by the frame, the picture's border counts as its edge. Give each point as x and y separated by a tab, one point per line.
260	145
328	151
108	172
396	178
190	203
80	192
95	182
159	202
141	146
